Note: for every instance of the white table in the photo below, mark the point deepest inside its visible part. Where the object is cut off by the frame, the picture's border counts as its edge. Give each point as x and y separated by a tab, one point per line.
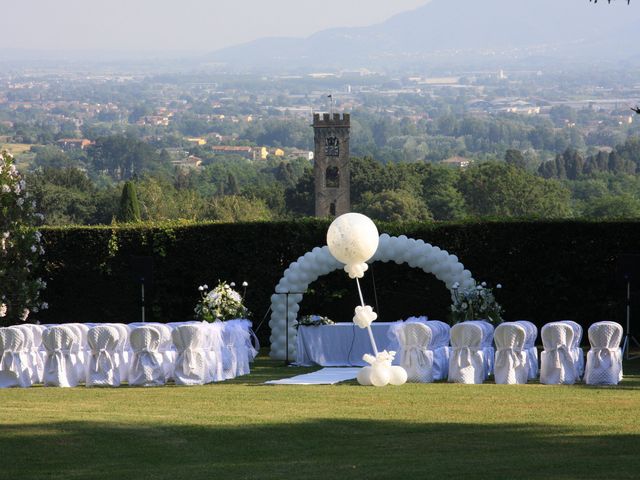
339	345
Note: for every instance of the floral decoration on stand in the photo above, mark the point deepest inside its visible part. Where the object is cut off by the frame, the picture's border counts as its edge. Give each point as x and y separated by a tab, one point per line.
20	247
314	321
476	303
220	304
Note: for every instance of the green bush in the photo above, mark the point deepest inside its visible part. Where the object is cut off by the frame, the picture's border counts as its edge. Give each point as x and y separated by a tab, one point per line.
549	270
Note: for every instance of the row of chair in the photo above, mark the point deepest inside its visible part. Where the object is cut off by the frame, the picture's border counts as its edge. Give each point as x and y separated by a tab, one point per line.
141	354
472	358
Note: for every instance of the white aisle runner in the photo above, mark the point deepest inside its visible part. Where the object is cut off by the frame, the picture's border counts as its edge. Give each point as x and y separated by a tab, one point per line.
326	376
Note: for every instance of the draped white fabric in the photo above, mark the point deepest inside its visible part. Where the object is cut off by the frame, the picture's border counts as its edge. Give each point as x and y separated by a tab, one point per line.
28	355
530	347
79	349
214	350
416	354
14	358
604	359
557	364
511	356
60	365
488	351
146	367
191	366
237	350
576	351
103	369
467	363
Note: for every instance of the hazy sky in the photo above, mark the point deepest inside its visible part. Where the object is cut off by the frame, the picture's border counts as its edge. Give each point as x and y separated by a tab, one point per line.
178	25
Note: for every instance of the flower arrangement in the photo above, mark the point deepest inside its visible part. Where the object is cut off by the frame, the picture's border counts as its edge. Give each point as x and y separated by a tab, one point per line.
476	303
314	321
20	247
220	304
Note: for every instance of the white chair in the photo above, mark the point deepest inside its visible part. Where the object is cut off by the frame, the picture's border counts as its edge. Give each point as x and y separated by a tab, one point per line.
123	350
488	351
466	364
146	369
236	339
102	367
215	351
510	365
416	356
604	359
191	367
530	347
576	350
14	369
29	358
440	345
79	349
166	349
60	370
557	365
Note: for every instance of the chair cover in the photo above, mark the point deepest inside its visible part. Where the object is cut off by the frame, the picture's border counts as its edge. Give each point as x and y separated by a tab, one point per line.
416	356
14	359
576	350
191	367
466	364
102	368
123	350
80	349
166	349
511	356
530	347
440	346
29	353
60	343
604	360
146	365
557	365
236	350
487	345
215	351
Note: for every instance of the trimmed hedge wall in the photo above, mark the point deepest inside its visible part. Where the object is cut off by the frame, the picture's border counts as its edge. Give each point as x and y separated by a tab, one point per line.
549	270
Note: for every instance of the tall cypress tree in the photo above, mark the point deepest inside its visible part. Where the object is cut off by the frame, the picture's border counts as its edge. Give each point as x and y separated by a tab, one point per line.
129	210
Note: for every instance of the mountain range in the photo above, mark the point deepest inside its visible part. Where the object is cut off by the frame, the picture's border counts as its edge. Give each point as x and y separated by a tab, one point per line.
458	31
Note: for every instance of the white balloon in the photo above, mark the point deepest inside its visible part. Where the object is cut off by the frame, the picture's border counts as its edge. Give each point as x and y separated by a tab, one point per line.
353	239
364	376
398	375
380	375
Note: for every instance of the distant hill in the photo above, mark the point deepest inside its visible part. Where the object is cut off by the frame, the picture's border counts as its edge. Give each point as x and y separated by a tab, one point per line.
459	30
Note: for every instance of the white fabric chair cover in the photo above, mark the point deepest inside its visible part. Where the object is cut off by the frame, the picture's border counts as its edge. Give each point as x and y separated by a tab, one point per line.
122	351
191	366
557	365
60	343
80	349
466	364
28	352
146	366
576	350
440	346
530	347
488	350
604	359
215	351
235	354
166	349
511	356
416	355
14	359
102	367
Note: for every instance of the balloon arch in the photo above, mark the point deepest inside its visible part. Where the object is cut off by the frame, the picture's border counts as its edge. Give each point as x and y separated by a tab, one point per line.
285	303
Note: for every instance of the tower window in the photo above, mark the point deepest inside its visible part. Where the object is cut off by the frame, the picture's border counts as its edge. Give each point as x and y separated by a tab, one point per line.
332	147
332	209
332	177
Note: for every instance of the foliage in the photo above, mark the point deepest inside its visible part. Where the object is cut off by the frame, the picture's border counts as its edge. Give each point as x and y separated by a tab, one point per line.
394	206
475	303
313	321
220	304
20	247
129	210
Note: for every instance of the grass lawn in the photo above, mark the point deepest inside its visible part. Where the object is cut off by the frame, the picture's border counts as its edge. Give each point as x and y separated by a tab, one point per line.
243	429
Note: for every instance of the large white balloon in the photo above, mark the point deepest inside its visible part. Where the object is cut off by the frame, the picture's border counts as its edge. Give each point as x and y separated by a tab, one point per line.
353	239
380	375
364	376
398	375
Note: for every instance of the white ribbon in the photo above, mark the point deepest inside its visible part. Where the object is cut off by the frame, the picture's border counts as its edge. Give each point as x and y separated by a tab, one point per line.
515	355
465	353
601	353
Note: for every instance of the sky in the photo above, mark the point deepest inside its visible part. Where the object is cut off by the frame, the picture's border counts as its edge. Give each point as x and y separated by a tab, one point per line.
178	25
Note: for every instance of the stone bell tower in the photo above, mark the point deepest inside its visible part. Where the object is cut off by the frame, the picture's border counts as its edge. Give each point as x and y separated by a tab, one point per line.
331	169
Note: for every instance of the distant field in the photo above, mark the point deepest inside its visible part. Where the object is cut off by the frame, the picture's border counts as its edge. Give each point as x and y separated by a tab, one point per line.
243	429
16	148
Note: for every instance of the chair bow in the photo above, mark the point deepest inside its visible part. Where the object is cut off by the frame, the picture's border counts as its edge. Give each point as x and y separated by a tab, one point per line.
8	361
604	353
103	355
464	353
516	356
557	351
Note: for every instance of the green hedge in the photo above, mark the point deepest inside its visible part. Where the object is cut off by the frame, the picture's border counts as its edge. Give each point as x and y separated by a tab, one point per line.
549	270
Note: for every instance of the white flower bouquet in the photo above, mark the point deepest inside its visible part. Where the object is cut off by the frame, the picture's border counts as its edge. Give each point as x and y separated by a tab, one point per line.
220	304
476	303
